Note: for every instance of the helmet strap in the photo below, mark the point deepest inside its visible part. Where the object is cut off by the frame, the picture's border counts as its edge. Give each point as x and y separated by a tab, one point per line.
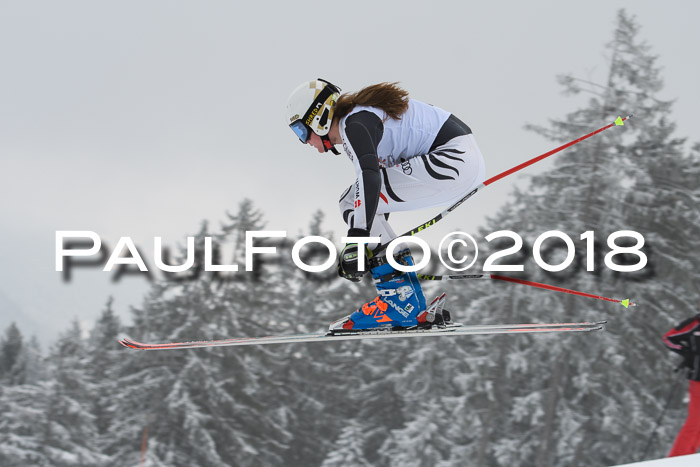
328	146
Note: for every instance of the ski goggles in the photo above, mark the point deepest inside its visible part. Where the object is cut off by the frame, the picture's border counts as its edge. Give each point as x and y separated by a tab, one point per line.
301	130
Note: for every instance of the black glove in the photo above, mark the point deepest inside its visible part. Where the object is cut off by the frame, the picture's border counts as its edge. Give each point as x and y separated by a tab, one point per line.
347	261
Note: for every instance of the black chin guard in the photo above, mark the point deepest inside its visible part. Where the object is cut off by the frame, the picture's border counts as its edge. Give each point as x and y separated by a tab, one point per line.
328	146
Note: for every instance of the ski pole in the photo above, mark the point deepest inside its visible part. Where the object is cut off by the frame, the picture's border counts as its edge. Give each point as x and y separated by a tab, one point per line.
434	220
626	302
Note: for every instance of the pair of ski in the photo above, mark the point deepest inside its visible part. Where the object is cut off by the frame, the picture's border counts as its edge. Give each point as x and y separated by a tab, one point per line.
453	329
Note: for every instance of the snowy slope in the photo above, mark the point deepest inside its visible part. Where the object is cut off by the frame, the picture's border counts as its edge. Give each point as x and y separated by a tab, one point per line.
682	461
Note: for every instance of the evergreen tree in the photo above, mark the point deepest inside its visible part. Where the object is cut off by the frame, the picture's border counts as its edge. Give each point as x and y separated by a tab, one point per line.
596	396
22	409
208	407
49	423
349	448
12	366
23	396
104	356
33	363
68	430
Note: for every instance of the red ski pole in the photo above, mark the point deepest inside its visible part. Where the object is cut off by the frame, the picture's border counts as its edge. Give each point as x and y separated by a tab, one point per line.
434	220
626	303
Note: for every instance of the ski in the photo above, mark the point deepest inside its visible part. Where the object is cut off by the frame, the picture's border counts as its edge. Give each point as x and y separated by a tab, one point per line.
453	329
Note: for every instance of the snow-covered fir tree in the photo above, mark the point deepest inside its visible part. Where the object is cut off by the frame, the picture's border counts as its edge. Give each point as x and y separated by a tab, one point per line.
12	366
50	422
567	394
104	356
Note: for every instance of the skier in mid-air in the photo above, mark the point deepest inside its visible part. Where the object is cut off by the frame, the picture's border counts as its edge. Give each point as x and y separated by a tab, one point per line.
407	155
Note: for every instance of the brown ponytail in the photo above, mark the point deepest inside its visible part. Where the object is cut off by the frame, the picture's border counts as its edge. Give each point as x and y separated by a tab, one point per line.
387	96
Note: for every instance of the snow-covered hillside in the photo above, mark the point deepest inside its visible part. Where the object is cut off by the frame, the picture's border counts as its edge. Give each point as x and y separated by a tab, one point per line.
682	461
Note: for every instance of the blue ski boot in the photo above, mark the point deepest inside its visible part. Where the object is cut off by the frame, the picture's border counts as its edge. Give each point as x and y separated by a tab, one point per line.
400	304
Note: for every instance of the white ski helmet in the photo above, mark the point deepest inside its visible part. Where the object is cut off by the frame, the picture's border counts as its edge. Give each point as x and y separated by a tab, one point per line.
310	108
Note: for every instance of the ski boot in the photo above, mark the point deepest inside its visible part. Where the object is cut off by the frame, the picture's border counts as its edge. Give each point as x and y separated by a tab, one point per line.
399	305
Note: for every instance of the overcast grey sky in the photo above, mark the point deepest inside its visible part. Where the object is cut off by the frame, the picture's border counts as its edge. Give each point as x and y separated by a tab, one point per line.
142	119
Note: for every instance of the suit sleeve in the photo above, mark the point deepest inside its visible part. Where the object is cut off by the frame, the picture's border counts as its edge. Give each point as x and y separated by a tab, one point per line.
363	132
678	338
